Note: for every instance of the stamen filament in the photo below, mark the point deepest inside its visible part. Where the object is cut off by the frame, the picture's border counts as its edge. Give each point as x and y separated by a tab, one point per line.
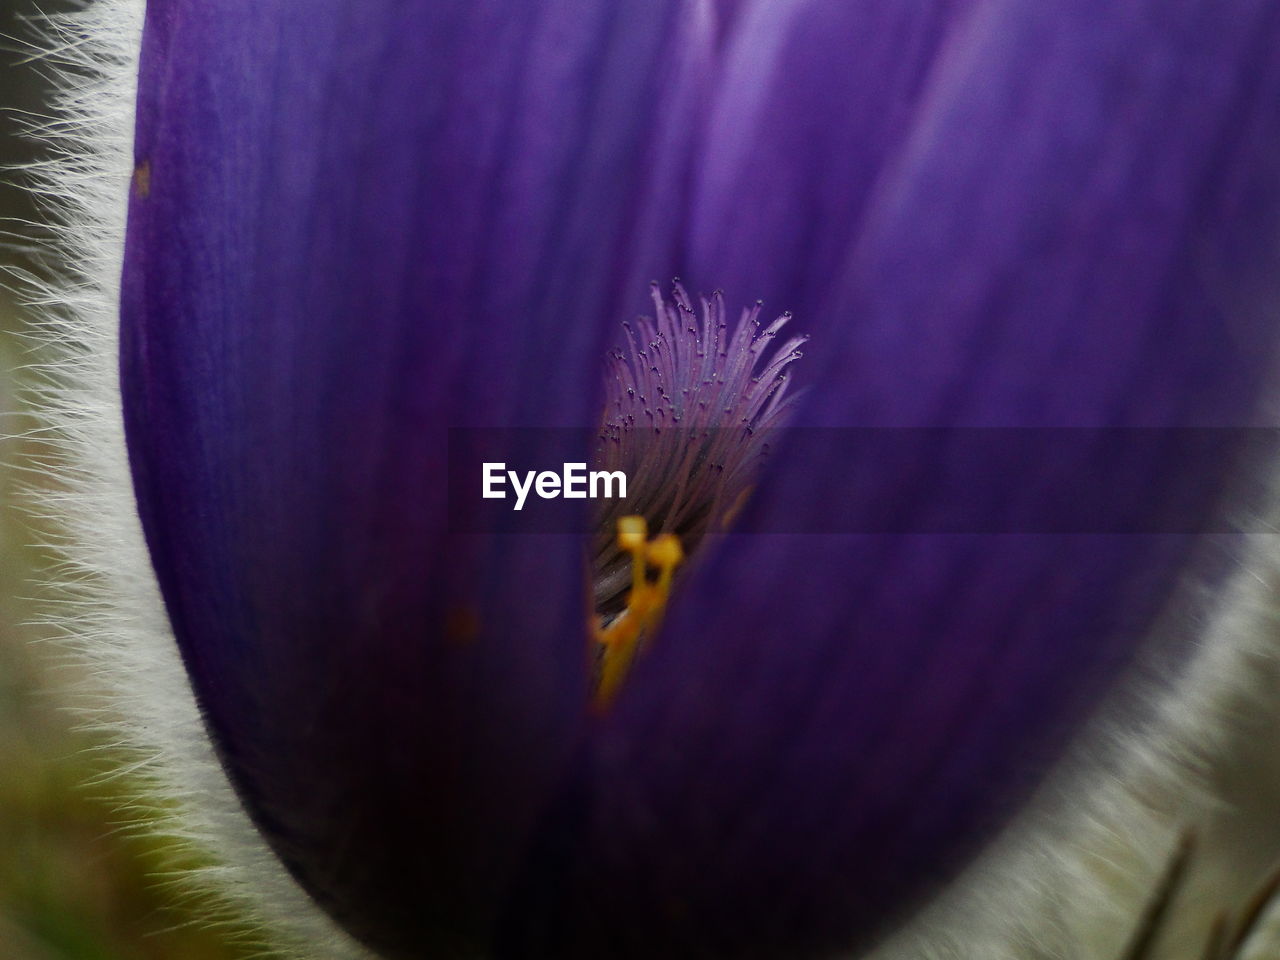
645	603
691	401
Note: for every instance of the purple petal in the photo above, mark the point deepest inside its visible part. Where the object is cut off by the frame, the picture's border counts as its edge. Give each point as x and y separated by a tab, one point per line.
1080	230
812	98
353	225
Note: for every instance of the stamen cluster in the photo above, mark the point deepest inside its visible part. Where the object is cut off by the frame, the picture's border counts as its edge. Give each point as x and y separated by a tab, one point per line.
690	406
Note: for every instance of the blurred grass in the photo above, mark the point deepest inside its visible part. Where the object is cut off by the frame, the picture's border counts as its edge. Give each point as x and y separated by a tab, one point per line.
73	884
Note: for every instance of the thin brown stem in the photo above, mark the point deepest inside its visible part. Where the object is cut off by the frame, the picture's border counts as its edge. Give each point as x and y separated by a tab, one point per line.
1152	920
1256	909
1217	941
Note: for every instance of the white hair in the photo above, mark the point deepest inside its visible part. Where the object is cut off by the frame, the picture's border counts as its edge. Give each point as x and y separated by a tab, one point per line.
104	601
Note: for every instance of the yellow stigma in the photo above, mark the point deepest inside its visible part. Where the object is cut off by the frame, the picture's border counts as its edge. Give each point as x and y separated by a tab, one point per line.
646	602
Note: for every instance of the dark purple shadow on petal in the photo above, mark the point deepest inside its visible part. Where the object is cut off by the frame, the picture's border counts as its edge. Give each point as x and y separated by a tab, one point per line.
728	14
1081	231
669	162
354	226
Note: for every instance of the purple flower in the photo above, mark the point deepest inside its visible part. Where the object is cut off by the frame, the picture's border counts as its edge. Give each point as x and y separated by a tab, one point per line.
356	225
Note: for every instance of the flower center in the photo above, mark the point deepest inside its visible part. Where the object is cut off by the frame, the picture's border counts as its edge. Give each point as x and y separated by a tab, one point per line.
690	406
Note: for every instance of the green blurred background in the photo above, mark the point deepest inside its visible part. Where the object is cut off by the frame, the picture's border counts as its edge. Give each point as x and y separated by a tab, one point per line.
73	884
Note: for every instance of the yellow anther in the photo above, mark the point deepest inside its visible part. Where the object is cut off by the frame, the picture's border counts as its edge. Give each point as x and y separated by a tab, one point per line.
645	602
632	533
665	552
